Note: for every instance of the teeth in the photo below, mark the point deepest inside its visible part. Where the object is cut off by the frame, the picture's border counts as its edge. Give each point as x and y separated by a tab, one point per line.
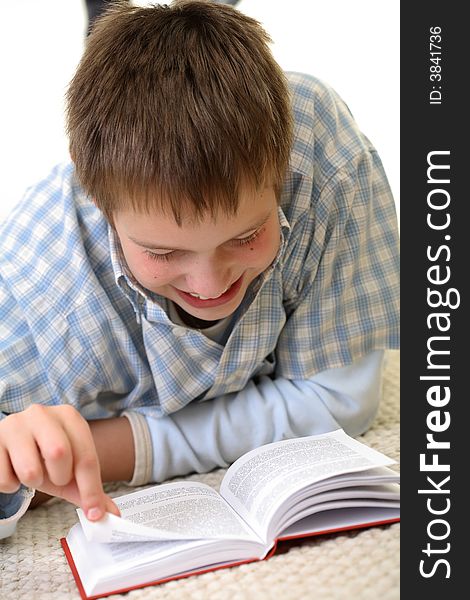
207	297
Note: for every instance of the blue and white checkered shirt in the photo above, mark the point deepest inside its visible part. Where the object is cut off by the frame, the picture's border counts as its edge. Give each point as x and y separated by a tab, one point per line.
75	328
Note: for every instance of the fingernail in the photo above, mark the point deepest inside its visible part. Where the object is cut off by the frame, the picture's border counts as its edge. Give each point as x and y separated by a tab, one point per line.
94	514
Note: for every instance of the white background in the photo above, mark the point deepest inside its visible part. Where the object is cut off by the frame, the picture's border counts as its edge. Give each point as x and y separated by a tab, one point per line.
351	44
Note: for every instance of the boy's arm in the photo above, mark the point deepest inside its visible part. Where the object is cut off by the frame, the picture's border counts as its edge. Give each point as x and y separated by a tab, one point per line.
206	435
212	434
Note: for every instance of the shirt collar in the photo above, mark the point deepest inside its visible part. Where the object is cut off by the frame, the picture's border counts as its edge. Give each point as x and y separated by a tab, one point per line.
137	294
122	274
255	286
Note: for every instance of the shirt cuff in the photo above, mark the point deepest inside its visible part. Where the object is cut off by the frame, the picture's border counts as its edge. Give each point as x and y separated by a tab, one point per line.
12	508
142	448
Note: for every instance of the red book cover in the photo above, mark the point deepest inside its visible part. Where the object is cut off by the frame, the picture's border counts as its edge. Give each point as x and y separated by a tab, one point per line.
83	595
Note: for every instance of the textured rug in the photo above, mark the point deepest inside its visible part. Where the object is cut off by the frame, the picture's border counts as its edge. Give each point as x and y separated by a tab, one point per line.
363	564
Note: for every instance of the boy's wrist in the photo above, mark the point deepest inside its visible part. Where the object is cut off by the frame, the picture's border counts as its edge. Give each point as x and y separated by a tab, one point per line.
114	445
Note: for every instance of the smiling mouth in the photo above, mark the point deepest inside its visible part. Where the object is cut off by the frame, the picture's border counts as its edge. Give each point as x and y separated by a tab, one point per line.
198	301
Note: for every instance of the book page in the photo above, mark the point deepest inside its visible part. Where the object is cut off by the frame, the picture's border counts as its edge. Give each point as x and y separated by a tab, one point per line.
258	482
341	518
172	511
104	568
381	495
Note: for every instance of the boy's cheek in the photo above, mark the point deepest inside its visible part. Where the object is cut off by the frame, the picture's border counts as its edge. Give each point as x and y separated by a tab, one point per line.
267	250
149	272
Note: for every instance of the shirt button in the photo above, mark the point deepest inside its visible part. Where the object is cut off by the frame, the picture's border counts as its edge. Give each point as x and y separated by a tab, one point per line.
179	331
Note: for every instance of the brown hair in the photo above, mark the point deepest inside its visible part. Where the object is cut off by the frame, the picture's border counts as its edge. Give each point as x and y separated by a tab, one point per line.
178	107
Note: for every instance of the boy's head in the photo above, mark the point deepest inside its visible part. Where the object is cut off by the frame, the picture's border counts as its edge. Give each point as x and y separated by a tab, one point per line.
177	108
179	121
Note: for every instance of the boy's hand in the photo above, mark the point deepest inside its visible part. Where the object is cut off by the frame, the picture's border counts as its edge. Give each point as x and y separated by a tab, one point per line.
51	448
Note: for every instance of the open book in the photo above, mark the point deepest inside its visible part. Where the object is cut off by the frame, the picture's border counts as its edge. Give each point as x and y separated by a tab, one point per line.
293	488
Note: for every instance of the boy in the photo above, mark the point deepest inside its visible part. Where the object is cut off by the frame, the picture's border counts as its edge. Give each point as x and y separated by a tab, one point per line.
215	270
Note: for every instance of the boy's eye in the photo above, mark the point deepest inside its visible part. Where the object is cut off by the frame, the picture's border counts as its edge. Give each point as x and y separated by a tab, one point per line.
248	239
154	256
236	241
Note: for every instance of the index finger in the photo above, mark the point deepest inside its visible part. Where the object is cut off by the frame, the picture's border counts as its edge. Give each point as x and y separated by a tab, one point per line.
86	468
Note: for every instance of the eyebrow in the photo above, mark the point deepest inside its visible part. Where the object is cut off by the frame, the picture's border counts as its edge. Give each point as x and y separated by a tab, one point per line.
153	246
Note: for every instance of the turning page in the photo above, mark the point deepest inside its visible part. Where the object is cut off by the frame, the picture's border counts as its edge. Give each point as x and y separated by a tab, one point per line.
258	482
172	511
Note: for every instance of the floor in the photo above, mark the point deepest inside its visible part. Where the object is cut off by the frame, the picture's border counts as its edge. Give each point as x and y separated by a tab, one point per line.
354	46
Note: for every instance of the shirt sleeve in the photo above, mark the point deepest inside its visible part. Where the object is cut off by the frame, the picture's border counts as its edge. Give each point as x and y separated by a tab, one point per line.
22	375
12	508
18	356
342	301
206	435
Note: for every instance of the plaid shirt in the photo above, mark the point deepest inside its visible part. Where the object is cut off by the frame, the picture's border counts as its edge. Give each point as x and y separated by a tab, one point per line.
76	329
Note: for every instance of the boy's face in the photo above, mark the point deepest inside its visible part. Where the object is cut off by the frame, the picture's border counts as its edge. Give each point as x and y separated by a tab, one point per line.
217	260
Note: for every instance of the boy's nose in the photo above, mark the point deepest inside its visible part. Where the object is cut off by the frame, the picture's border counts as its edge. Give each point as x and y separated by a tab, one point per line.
209	280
